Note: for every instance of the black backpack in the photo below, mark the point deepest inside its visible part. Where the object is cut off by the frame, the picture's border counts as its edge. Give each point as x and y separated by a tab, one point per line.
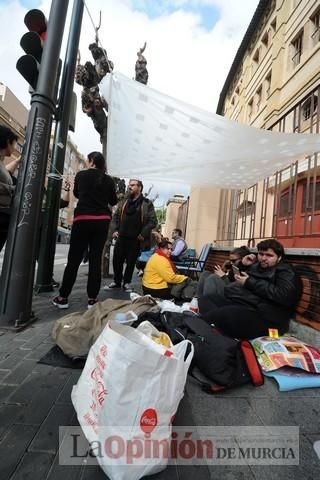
223	362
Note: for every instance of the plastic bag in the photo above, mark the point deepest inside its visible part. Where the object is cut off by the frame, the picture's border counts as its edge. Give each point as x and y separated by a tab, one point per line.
130	389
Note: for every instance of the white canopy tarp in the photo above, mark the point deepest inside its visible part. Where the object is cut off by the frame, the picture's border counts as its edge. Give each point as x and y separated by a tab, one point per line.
158	138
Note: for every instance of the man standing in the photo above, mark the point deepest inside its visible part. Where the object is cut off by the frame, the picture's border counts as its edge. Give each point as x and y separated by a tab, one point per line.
179	246
132	224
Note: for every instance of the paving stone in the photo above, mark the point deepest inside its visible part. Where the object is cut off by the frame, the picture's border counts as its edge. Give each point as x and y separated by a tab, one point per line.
228	472
33	466
38	352
47	438
3	374
13	447
301	411
37	410
7	416
36	341
5	391
65	395
40	378
20	372
65	472
223	411
7	350
11	360
93	472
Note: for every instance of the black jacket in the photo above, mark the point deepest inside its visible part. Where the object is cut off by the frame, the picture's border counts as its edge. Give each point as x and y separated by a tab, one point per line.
95	191
274	292
148	220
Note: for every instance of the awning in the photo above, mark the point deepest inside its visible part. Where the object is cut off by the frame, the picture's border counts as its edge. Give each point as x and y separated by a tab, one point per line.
154	137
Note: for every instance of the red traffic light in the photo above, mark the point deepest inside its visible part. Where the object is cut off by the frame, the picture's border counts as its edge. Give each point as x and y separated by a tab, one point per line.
35	21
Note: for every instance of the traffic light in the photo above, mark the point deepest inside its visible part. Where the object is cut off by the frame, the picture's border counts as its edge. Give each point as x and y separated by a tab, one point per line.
32	43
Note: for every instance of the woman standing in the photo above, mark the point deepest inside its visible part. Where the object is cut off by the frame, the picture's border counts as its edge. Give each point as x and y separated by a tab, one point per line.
8	140
160	273
95	191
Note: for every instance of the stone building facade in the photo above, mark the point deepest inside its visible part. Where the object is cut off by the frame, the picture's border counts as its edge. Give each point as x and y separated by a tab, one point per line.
273	83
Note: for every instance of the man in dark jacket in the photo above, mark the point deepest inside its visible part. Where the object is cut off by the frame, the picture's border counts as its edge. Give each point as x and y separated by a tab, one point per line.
263	297
132	224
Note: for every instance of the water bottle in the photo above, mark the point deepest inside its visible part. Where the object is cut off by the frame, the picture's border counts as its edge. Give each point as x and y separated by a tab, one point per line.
126	318
120	317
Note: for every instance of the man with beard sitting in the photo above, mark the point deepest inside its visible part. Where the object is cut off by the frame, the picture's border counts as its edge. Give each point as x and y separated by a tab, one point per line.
263	297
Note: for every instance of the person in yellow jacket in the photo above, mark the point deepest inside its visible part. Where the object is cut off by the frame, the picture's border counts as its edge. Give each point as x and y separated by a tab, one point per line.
160	273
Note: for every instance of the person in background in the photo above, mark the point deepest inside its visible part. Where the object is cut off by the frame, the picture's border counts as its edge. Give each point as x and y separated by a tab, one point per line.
8	141
179	246
160	273
95	191
132	224
263	297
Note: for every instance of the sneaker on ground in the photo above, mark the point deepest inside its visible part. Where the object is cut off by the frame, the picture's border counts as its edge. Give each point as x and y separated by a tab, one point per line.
127	287
111	286
92	302
60	302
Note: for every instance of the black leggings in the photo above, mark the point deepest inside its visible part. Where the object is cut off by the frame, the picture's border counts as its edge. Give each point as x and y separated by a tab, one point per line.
4	228
234	320
85	234
163	293
126	250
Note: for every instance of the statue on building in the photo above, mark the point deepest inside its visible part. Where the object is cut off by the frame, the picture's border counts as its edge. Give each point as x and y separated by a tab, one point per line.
142	74
89	76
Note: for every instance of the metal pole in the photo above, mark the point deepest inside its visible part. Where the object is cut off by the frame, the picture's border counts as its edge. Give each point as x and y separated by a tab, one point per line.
16	285
50	223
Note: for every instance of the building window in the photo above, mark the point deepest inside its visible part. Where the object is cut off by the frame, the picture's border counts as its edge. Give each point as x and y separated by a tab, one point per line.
296	48
232	101
309	107
273	25
258	97
268	84
265	39
304	208
237	91
315	28
250	109
256	56
284	205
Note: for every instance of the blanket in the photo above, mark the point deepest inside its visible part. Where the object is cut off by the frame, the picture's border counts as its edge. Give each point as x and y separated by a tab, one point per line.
76	332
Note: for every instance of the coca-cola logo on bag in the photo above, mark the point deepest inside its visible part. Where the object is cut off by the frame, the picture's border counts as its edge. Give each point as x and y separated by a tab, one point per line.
148	420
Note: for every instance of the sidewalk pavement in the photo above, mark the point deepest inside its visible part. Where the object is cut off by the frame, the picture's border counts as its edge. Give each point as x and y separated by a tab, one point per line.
35	401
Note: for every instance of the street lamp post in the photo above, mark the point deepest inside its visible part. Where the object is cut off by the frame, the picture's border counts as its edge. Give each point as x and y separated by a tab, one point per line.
16	285
50	222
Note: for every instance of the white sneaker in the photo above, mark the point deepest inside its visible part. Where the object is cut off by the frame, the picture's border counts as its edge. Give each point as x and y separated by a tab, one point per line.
127	287
111	286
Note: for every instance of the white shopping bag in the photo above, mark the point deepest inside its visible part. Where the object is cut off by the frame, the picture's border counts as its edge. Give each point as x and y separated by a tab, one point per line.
126	398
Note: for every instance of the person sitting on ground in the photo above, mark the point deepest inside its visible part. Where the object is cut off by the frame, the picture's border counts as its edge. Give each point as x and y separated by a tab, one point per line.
179	246
263	297
213	283
160	273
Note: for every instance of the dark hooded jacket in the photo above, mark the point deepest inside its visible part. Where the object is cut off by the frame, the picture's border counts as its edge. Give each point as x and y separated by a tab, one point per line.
274	292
